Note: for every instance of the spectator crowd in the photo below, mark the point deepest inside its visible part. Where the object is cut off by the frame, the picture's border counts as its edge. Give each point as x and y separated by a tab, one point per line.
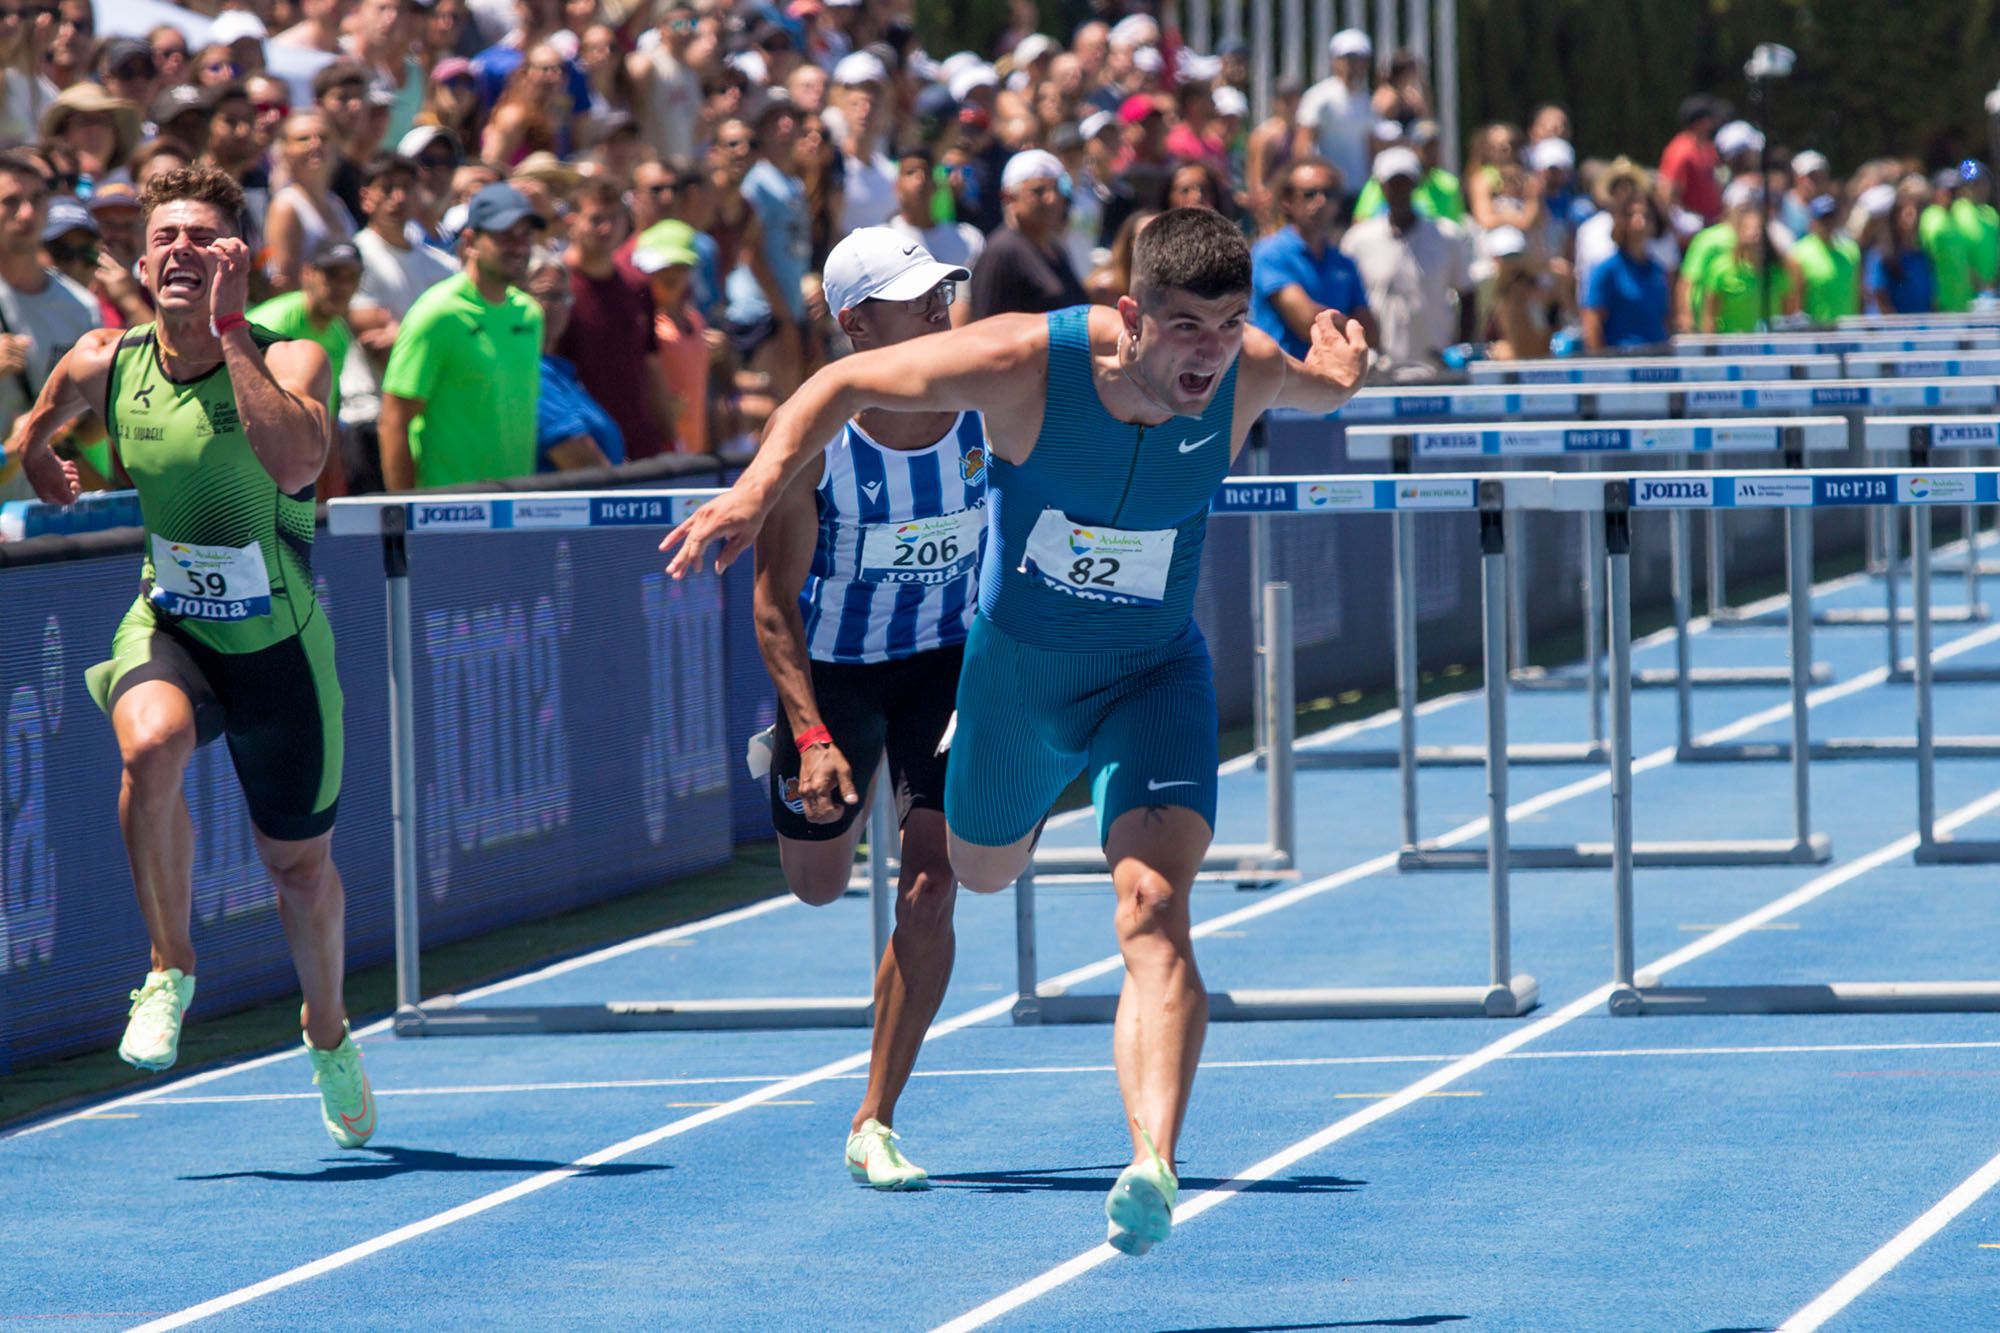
554	234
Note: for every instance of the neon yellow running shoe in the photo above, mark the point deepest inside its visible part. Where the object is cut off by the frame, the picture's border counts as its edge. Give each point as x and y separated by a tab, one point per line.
873	1157
346	1102
1141	1205
153	1034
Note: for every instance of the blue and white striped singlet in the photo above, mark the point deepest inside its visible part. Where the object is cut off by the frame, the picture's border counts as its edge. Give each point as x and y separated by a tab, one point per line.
900	536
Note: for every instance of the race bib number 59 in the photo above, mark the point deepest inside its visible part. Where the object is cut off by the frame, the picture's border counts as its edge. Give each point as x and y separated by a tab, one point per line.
210	582
1098	563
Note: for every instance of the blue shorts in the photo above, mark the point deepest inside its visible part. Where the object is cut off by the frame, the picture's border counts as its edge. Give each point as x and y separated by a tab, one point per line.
1142	722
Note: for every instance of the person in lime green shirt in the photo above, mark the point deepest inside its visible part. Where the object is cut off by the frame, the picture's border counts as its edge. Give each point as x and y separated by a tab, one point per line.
461	389
1979	223
1730	287
1438	194
1702	247
1829	264
317	311
1941	239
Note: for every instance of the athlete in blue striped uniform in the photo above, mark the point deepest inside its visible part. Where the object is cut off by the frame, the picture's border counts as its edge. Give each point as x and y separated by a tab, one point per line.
864	595
1110	430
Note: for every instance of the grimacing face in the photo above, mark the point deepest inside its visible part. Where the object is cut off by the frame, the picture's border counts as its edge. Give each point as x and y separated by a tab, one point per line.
1186	343
179	236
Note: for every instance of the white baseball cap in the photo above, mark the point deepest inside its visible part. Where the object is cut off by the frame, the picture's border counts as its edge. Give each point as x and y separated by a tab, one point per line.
1096	123
1393	162
1148	60
1547	154
1032	165
882	263
858	68
235	25
1877	200
1738	136
1135	30
1806	163
1033	47
1230	101
971	78
1741	193
1505	242
1351	42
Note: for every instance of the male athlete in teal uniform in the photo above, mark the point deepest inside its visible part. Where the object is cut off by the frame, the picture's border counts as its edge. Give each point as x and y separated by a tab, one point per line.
1111	430
223	429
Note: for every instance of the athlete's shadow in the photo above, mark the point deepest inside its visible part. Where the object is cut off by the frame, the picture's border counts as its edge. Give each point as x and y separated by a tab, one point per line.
384	1162
1098	1179
1412	1321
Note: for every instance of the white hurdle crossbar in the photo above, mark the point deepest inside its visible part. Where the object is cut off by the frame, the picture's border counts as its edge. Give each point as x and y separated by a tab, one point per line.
393	519
1796	493
1504	994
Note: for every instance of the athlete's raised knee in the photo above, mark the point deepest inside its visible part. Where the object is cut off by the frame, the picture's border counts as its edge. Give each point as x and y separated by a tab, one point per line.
989	869
1149	903
155	743
925	902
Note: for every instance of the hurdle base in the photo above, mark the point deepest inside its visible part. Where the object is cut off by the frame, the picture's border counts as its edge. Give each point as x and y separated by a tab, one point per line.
1852	615
445	1017
1553	753
1667	678
1816	850
1949	851
1248	861
1838	997
1852	747
1905	673
1518	997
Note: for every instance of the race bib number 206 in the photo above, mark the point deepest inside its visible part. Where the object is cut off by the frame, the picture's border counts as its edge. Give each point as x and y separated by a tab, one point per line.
210	582
1099	563
924	550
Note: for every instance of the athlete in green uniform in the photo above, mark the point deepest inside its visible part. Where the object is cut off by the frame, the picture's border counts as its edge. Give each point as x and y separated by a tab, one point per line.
223	429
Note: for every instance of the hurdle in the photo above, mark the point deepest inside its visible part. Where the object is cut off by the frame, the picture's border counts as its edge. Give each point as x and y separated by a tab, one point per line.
393	520
1836	344
1791	437
1655	370
1616	497
1504	994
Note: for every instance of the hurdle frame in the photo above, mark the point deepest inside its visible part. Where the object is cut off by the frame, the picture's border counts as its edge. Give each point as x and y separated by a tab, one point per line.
1636	993
1505	994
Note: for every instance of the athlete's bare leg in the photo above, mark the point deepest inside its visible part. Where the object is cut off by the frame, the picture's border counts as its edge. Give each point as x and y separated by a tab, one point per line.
1163	1008
312	905
916	967
155	725
990	869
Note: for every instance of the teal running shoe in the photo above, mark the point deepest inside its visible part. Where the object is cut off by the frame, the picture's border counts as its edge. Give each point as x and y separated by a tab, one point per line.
1140	1207
346	1103
153	1031
874	1159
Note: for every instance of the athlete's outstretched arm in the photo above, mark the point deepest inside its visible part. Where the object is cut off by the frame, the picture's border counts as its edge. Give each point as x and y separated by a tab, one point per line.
281	392
1333	368
993	366
75	386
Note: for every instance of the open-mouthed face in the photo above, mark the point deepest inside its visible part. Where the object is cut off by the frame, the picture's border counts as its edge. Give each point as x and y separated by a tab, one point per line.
180	237
1186	344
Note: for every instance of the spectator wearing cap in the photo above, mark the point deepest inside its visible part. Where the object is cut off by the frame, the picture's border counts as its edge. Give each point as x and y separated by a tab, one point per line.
667	256
1829	264
318	28
1626	303
306	213
42	313
100	129
1972	212
609	333
1689	162
1337	114
1195	136
379	41
241	35
1269	150
1026	266
122	299
1740	147
395	271
669	81
317	313
126	68
1621	180
860	95
70	242
1412	268
1438	194
1951	257
535	112
1518	328
548	182
451	101
1897	277
766	315
180	113
66	58
1298	271
1812	177
573	429
435	155
956	243
1083	220
462	388
1145	139
1730	286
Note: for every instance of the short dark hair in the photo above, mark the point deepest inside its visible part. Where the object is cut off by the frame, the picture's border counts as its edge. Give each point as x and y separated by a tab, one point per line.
919	151
384	165
337	74
601	190
196	183
19	163
1310	162
1192	250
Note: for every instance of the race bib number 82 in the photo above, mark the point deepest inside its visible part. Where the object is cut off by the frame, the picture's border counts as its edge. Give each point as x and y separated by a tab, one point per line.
1099	563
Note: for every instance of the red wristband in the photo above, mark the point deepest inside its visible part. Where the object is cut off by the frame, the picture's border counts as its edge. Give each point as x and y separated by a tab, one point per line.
227	323
812	736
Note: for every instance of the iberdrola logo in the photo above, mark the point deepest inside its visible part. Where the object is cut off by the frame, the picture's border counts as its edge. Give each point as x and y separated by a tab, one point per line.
1081	541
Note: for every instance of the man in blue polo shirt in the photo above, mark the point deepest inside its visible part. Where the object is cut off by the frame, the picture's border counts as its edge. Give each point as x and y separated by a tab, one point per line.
1298	271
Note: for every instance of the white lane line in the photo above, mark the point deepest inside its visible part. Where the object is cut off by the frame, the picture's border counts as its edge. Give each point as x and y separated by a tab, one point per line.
1023	1071
1187	1211
1900	1247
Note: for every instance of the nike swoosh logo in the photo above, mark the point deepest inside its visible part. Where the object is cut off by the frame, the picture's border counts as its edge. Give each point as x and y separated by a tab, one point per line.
909	249
1162	786
364	1123
1190	448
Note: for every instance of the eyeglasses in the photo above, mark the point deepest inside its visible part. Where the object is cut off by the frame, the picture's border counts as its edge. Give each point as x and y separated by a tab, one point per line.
663	188
279	109
1315	192
170	53
930	305
228	67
